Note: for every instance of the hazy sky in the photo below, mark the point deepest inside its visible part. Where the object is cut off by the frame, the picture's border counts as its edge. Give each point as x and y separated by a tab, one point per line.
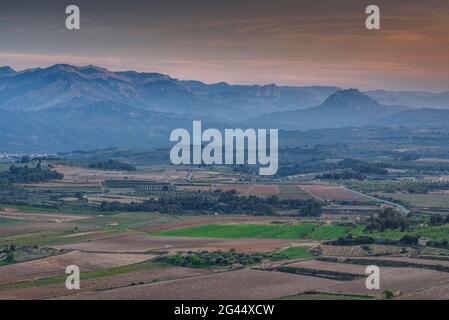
239	41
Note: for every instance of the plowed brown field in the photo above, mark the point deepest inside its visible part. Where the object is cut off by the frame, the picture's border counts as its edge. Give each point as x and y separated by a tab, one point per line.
56	265
232	285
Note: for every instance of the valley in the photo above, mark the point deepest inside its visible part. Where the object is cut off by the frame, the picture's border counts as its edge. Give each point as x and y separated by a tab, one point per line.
86	179
65	108
306	233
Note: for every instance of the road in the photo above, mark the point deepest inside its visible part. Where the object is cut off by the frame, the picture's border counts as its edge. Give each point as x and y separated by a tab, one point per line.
401	208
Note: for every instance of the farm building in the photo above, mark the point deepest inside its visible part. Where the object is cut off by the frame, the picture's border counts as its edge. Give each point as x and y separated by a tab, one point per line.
140	185
423	242
156	186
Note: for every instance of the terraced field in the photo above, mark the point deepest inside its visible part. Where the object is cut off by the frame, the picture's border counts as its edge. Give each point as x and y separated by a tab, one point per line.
106	279
345	251
409	282
56	265
242	284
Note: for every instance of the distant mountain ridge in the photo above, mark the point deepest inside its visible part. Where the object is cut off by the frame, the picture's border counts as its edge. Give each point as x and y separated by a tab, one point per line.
64	107
342	109
60	85
412	99
6	70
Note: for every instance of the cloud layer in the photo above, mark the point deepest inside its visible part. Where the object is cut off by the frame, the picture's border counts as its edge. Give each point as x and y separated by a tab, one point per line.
245	41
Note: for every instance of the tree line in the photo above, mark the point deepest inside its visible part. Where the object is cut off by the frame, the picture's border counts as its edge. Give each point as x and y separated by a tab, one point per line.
217	201
29	175
112	165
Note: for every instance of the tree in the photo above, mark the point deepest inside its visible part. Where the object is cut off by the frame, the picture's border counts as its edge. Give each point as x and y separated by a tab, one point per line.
388	219
437	220
388	294
25	159
409	240
311	209
9	258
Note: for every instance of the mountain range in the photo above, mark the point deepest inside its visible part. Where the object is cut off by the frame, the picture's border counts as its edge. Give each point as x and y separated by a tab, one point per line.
64	107
66	85
344	108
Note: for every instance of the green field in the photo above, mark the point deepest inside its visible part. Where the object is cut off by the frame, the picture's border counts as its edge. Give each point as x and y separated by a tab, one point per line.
296	252
312	231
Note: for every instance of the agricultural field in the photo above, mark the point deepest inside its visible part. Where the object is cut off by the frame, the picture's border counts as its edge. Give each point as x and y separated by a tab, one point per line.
261	190
55	265
343	251
242	284
311	231
405	282
78	175
283	191
296	252
293	191
323	296
436	233
428	200
121	252
104	279
99	198
17	215
329	266
333	193
408	283
120	263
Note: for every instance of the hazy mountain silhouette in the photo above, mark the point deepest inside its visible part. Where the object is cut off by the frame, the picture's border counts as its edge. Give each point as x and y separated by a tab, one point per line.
62	85
413	99
342	109
63	107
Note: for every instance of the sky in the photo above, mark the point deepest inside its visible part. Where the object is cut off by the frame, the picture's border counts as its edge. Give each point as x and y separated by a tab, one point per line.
288	42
